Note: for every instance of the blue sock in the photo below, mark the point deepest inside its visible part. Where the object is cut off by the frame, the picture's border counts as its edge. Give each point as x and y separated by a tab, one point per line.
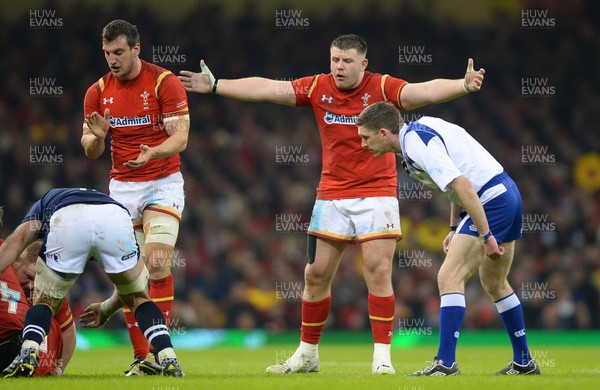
153	325
37	323
452	313
511	312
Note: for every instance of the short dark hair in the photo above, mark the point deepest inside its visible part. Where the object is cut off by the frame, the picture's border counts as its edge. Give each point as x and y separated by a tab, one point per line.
119	27
350	41
381	115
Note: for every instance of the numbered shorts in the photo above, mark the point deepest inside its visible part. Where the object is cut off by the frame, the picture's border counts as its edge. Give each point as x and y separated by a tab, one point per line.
81	231
163	195
356	220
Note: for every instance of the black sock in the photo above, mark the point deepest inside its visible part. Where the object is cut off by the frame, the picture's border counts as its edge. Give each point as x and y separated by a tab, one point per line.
152	324
37	323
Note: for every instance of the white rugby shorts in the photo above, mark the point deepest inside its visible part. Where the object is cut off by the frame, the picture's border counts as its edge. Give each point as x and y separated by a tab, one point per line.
164	195
81	231
356	220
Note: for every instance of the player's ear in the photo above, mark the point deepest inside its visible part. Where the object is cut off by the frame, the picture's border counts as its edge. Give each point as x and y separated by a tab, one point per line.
136	49
364	64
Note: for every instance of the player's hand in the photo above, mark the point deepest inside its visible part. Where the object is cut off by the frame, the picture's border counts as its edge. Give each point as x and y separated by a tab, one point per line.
447	240
92	316
202	82
142	158
492	249
473	78
98	124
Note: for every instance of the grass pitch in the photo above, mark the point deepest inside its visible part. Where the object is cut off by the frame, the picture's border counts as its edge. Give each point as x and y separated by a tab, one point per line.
342	367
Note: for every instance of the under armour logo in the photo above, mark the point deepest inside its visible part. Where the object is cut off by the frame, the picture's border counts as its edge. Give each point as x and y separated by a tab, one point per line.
389	225
107	100
327	99
175	206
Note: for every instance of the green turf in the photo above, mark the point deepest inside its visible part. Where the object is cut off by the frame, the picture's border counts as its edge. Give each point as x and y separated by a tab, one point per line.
342	367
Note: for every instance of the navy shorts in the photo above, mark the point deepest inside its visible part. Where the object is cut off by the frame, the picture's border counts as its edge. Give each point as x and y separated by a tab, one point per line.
504	212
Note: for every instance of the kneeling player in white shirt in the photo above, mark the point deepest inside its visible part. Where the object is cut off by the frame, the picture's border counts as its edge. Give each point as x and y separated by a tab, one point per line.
482	235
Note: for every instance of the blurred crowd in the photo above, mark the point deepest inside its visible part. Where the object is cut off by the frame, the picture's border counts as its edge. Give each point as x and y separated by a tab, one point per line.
251	169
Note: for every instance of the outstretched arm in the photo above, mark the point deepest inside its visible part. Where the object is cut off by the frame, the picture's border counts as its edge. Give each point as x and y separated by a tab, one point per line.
415	95
97	314
254	89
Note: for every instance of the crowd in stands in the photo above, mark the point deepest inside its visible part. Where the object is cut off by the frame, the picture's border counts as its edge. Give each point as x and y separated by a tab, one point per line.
251	169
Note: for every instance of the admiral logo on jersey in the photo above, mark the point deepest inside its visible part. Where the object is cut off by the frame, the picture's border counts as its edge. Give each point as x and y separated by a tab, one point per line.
330	118
126	122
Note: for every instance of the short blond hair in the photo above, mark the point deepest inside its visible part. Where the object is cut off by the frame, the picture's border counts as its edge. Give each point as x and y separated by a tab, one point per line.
31	253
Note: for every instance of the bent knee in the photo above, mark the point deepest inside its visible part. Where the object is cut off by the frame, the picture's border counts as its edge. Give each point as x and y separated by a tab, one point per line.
494	287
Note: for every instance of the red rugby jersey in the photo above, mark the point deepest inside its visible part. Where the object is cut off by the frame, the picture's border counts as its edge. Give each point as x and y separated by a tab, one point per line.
138	108
349	170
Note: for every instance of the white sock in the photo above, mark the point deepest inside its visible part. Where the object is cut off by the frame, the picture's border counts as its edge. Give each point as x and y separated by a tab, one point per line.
308	348
166	353
382	352
30	344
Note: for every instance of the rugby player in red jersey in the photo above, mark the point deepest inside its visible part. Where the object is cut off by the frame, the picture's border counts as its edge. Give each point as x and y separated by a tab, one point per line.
144	109
356	197
16	286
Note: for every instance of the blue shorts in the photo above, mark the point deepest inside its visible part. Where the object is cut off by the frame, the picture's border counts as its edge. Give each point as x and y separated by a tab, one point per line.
504	212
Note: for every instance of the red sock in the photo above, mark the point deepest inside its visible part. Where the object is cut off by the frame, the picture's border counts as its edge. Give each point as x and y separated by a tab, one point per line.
381	314
138	341
314	315
162	292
